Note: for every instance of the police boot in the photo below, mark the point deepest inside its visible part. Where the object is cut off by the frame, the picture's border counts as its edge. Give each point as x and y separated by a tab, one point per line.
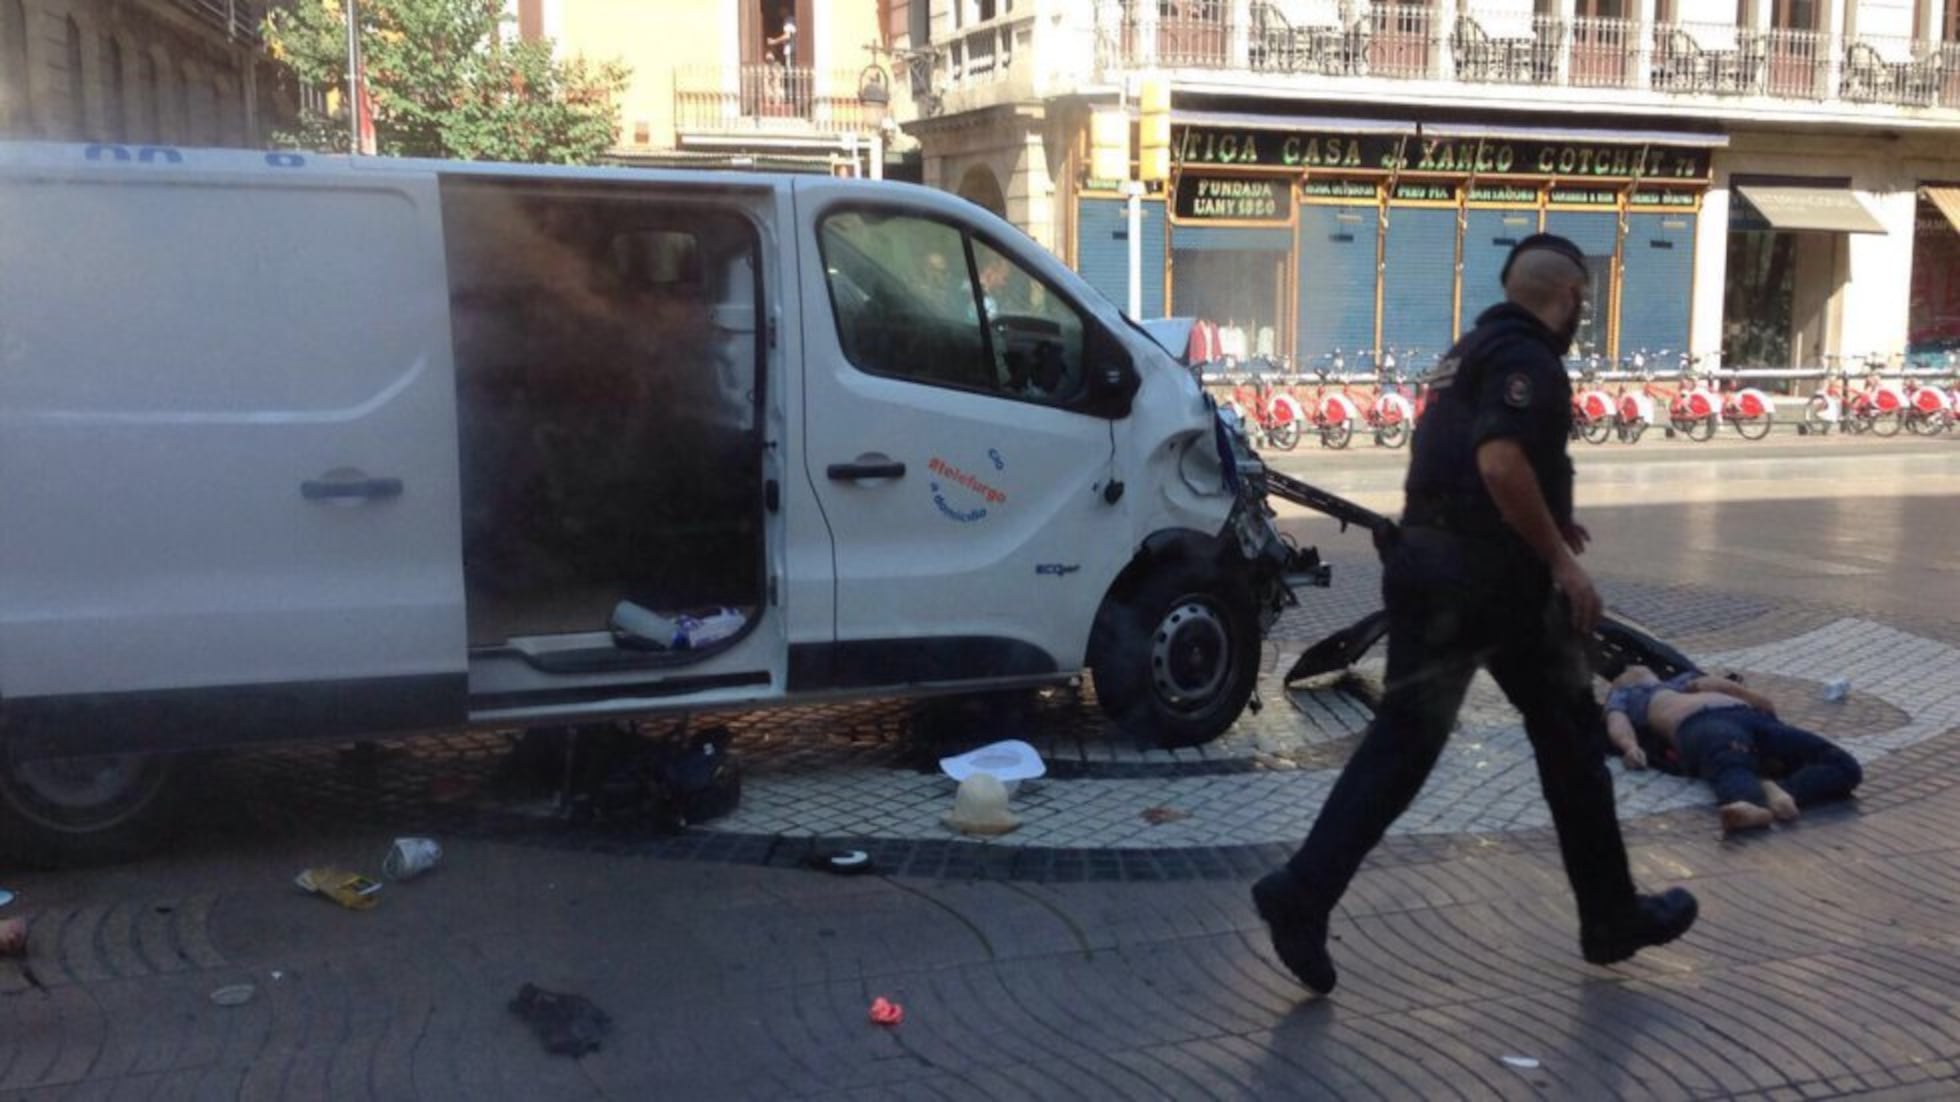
1298	928
1655	920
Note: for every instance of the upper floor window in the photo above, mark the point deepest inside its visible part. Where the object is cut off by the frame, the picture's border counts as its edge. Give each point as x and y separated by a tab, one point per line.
1794	15
917	299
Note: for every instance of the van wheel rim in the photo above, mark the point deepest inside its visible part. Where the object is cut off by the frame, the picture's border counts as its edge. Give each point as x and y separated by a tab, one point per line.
1190	655
89	793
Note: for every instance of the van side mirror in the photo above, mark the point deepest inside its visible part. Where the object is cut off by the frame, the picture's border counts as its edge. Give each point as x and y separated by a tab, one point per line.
1112	383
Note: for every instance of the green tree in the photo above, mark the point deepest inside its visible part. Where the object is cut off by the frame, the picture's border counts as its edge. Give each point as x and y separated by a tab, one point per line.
445	79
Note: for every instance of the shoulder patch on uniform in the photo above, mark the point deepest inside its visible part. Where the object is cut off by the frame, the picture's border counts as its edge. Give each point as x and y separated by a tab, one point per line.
1517	390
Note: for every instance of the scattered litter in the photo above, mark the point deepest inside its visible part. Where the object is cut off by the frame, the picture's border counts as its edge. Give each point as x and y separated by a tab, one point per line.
886	1012
1158	816
568	1025
1525	1062
410	857
237	994
980	806
1011	762
1836	689
349	889
6	897
639	628
843	862
13	937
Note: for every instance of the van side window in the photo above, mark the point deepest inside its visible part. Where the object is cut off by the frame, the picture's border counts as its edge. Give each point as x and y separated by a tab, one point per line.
1037	338
903	294
910	295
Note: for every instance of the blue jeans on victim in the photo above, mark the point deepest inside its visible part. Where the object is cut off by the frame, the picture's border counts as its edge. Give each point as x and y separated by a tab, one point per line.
1735	748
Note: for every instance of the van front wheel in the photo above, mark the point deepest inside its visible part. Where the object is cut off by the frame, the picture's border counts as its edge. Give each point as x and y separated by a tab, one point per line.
1175	661
83	810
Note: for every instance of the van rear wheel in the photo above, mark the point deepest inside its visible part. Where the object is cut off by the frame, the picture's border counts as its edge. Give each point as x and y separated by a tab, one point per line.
1175	662
84	810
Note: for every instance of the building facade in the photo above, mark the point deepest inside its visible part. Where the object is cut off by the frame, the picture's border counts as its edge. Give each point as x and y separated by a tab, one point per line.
796	84
1770	182
166	72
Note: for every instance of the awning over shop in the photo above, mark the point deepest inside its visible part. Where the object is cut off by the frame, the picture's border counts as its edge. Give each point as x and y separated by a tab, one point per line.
1832	209
1948	200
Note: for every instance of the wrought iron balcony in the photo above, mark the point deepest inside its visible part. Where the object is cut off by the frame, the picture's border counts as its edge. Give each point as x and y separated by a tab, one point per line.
769	98
1483	44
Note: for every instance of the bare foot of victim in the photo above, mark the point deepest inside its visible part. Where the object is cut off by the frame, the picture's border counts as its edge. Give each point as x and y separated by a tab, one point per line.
1745	816
1780	802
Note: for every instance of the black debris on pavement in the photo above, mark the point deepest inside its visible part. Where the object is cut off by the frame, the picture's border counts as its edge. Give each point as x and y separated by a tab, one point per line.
568	1025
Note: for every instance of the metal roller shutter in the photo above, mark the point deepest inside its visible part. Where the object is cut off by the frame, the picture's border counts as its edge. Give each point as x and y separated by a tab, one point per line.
1224	239
1660	270
1337	280
1487	239
1102	251
1595	232
1419	285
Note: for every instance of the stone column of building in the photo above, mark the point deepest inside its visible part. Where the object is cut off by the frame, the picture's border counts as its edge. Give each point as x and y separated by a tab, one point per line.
1238	33
1568	15
1835	20
1443	63
1031	191
1645	13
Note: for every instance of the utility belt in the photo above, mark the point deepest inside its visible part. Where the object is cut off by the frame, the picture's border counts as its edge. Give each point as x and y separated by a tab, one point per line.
1461	515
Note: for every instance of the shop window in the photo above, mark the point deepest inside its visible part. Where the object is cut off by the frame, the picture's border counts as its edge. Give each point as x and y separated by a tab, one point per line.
1758	300
1234	279
1933	311
910	295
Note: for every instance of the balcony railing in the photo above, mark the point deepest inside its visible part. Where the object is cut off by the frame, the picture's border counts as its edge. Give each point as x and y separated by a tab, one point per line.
1486	44
768	98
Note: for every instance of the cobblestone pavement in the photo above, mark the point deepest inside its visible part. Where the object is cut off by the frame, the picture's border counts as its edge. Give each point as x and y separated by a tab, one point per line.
1093	953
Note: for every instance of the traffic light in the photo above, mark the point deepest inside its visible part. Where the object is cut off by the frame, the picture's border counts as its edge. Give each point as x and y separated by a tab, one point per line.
1154	128
1109	144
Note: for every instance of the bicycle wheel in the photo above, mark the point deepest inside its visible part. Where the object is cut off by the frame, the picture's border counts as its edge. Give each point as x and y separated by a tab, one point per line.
1285	435
1754	428
1816	415
1393	435
1596	430
1336	435
1632	432
1885	422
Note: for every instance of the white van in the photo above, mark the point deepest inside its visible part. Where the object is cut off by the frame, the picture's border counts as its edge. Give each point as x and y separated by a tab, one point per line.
296	446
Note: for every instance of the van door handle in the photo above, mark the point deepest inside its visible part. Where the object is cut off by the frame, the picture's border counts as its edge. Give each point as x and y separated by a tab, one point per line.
321	489
851	472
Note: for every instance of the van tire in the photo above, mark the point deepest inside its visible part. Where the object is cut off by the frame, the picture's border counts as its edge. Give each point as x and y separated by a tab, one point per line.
1175	657
81	811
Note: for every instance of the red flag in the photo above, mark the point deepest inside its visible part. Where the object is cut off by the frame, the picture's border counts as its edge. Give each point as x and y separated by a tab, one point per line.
364	103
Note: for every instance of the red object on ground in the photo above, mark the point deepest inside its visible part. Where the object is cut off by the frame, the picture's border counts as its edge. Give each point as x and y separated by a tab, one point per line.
886	1012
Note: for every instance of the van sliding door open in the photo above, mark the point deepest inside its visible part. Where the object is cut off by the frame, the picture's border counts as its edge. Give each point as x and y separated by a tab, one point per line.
610	389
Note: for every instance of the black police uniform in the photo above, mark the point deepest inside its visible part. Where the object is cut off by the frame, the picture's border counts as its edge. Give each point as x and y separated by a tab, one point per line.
1462	589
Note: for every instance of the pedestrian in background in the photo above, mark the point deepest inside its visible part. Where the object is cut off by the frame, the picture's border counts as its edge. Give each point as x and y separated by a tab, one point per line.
1484	572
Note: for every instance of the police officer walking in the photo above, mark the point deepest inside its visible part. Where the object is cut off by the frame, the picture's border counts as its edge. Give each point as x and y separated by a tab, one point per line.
1484	572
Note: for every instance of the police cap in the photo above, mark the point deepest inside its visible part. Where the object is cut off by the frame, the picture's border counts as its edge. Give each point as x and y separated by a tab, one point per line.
1549	242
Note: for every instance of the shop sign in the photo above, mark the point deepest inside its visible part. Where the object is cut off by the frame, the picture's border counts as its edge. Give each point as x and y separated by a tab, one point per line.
1205	145
1661	199
1503	193
1426	193
1363	190
1592	197
1233	198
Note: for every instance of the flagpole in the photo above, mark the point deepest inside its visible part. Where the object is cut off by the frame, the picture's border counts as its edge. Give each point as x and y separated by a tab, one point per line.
353	79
